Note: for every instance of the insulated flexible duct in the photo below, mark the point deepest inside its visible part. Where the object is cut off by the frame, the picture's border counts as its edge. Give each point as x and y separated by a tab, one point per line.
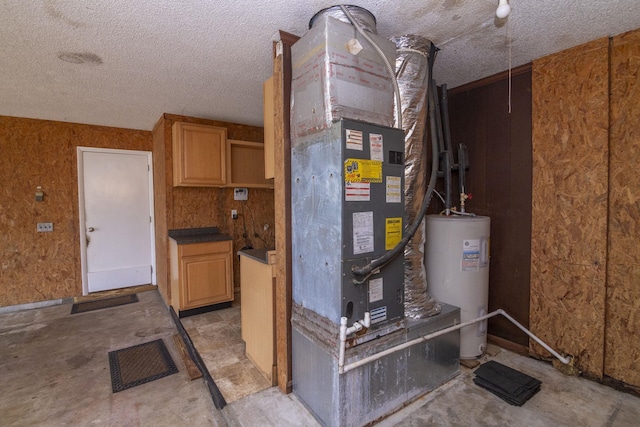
362	273
413	75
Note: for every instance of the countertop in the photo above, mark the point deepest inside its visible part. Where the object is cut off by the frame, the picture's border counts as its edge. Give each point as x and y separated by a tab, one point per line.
184	236
260	255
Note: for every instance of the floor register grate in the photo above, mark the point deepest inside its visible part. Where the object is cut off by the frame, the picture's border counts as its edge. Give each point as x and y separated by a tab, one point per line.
140	364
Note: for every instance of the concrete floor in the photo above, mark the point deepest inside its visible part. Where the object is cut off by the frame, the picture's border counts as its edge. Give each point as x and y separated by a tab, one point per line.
54	371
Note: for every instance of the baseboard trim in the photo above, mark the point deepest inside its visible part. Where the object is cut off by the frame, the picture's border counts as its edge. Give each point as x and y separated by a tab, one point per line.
34	305
508	345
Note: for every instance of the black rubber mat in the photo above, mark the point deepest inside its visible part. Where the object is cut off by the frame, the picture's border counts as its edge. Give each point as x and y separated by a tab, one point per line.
510	385
83	307
140	364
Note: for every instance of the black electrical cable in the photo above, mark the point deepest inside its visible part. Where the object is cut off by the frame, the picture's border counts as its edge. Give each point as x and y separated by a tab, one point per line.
362	273
253	224
247	242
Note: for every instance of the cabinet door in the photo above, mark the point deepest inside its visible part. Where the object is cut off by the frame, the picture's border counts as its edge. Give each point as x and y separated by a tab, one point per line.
269	129
199	155
207	280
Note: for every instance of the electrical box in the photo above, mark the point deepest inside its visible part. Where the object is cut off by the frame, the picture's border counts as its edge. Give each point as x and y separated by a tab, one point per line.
240	194
347	192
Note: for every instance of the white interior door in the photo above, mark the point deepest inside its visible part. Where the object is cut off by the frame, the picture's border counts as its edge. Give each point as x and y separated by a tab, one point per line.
116	218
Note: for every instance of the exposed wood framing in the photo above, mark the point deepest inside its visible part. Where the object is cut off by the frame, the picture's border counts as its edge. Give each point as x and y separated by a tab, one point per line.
282	196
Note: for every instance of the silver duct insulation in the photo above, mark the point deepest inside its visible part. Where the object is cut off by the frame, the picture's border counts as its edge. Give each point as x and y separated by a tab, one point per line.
412	72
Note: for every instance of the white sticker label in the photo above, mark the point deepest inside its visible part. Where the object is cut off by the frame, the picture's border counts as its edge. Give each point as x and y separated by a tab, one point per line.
470	255
362	232
357	192
378	314
354	139
376	148
375	290
394	189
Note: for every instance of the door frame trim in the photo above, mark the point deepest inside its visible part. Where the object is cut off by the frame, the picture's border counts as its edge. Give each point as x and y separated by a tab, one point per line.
81	212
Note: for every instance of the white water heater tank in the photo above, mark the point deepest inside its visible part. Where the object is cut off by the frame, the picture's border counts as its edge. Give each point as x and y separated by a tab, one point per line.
457	264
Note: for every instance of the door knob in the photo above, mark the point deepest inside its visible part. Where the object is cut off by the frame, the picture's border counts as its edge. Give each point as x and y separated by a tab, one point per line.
91	229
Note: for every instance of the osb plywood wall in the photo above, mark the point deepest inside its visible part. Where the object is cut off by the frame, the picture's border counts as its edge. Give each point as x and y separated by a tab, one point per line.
569	202
622	335
45	266
585	298
189	207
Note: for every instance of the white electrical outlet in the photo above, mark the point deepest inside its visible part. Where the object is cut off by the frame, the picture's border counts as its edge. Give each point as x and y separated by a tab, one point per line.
234	214
240	194
44	227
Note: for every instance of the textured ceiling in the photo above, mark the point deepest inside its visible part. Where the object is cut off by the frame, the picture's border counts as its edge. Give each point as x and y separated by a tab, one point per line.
123	63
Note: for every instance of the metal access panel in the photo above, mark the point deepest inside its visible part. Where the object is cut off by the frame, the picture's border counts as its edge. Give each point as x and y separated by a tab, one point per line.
348	209
370	392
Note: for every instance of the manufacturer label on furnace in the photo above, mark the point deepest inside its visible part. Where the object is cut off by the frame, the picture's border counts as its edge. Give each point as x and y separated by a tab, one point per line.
362	170
378	314
394	189
375	289
362	232
354	139
375	147
393	233
357	192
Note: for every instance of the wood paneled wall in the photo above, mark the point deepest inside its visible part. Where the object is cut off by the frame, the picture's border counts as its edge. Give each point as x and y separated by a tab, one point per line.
188	207
46	266
622	334
499	178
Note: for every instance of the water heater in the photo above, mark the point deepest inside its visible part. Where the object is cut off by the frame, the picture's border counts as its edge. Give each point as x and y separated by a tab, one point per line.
457	264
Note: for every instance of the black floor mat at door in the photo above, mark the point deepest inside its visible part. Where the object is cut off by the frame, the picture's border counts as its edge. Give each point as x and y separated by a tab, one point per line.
83	307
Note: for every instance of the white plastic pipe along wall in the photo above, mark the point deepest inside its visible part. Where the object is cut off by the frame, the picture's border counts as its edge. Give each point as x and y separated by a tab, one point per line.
342	368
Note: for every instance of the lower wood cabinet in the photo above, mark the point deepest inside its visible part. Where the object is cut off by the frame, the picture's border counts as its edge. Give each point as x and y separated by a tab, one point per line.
201	274
257	312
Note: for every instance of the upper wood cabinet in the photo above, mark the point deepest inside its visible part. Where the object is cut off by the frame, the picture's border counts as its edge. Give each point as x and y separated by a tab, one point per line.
204	157
245	161
199	155
269	129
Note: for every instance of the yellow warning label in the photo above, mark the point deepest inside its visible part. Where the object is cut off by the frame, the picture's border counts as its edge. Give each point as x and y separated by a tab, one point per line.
393	233
362	170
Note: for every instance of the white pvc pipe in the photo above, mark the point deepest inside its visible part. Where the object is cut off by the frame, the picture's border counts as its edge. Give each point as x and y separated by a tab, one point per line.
344	332
564	360
342	368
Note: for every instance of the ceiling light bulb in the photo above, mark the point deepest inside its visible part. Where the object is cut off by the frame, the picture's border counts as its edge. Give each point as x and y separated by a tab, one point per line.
503	9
